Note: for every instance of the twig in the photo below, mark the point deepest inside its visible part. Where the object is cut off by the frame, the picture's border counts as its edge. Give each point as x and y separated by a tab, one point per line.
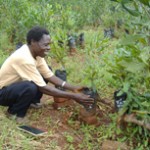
132	119
140	112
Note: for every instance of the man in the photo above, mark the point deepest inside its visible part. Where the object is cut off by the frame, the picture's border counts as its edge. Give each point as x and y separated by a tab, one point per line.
21	77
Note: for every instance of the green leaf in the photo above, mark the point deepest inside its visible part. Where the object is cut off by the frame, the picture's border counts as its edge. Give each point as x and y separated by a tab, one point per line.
147	95
133	66
130	39
145	2
126	86
135	13
116	0
122	1
146	104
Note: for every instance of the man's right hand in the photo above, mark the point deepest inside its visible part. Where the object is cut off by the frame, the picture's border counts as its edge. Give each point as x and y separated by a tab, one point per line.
83	99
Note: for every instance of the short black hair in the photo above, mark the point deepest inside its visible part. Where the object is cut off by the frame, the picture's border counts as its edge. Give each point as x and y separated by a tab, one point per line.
36	34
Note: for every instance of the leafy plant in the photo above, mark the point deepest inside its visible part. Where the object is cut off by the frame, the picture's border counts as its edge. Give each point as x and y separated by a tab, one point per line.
92	68
130	66
59	47
69	138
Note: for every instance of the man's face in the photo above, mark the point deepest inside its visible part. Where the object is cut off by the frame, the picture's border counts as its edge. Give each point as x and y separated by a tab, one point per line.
42	47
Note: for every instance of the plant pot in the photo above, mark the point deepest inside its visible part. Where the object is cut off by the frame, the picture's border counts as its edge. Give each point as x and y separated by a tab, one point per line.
119	100
59	105
90	120
93	94
72	51
87	113
60	99
81	41
62	74
88	117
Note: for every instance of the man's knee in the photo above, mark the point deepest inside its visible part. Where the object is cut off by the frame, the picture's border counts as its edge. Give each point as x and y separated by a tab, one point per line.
31	87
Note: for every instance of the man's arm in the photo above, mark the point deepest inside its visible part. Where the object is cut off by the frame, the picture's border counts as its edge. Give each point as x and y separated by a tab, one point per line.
57	81
78	97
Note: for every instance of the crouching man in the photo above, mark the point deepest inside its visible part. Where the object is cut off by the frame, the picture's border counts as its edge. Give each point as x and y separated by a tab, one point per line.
21	77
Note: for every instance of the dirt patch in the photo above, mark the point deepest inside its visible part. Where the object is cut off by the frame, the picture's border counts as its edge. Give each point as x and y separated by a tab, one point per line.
63	125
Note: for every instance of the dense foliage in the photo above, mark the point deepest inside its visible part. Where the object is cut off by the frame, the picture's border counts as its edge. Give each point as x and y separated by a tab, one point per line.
123	65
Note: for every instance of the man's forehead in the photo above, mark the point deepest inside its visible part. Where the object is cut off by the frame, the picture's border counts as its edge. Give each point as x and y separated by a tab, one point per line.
45	38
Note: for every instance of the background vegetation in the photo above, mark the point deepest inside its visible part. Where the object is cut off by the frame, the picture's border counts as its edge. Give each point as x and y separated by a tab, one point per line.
118	60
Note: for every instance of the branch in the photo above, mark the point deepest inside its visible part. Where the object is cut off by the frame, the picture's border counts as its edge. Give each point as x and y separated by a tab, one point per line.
132	119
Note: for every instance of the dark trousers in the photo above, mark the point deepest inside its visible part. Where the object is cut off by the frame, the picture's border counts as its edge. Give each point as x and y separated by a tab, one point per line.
19	96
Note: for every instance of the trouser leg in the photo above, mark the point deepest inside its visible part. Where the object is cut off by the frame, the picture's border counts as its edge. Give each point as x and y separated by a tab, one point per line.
18	97
37	97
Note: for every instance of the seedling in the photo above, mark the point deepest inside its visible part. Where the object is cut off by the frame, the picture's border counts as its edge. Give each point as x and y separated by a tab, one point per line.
119	99
93	94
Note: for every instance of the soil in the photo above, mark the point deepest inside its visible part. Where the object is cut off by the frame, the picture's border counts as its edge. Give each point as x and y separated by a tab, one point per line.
57	123
66	123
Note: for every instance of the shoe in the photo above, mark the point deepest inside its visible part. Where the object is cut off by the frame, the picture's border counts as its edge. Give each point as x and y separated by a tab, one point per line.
10	116
19	120
22	120
36	105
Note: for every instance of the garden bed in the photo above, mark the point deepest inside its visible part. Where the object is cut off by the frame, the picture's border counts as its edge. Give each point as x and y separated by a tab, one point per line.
64	127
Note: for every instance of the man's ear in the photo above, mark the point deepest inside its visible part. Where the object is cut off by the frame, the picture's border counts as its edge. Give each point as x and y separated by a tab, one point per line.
33	42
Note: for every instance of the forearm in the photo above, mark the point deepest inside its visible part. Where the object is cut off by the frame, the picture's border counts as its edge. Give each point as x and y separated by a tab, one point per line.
52	91
57	81
69	86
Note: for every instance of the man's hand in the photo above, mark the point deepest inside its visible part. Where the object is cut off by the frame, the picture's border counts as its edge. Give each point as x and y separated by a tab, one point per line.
83	99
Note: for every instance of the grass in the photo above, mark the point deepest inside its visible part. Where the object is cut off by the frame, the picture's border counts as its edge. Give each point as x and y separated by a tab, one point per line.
64	131
12	138
61	135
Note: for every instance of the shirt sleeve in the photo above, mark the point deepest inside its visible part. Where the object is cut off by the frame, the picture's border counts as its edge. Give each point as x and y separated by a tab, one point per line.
43	68
29	72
